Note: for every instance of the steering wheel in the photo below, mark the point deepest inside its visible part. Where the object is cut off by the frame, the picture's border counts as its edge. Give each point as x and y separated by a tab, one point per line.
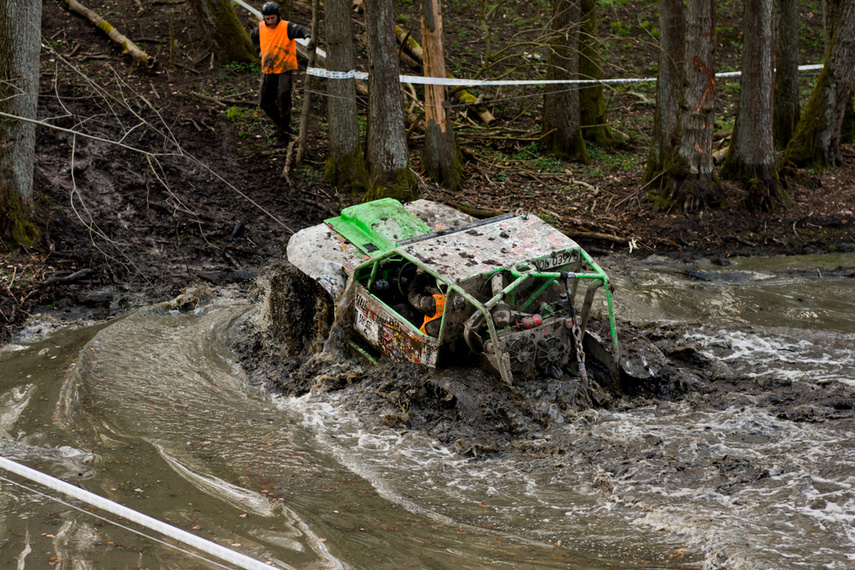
406	273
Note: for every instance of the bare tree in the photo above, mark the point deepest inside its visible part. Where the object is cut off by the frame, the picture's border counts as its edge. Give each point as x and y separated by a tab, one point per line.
441	159
816	142
672	47
689	181
226	36
786	110
20	44
751	156
560	129
346	164
387	152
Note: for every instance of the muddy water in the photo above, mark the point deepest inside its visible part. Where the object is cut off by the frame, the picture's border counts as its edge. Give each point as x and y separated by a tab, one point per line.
753	468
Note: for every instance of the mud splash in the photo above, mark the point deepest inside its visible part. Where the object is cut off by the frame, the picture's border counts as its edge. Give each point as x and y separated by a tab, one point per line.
728	424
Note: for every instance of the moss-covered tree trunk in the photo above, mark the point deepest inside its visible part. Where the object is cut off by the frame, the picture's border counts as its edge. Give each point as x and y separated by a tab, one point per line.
441	159
346	163
226	37
20	43
816	142
387	153
786	109
830	14
689	181
750	159
592	102
562	136
672	47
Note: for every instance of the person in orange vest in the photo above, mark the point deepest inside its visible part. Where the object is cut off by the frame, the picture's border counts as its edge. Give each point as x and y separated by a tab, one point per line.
275	37
428	300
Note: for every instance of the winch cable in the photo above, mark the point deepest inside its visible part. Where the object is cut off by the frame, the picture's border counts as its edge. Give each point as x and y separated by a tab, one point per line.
220	552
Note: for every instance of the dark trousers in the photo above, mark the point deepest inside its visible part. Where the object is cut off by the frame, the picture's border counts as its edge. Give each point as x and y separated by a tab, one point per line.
275	99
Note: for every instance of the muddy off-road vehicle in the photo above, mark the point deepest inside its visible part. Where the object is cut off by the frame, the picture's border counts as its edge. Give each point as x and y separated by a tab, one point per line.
515	293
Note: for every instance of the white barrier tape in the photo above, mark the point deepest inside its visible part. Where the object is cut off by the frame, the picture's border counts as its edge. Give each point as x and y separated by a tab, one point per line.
212	548
420	80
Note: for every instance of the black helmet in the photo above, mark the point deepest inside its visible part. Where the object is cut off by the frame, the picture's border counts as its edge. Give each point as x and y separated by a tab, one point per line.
270	9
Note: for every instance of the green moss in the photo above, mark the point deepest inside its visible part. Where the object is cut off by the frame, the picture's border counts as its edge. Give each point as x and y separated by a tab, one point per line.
661	202
401	186
16	220
349	171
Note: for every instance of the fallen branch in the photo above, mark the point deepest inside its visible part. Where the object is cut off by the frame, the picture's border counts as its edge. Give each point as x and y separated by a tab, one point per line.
122	41
225	102
595	235
207	98
76	276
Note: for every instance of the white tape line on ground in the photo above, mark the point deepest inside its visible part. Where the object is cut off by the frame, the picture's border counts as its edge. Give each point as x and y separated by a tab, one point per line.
199	543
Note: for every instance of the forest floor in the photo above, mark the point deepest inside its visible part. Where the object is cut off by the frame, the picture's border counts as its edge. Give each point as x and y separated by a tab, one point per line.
205	203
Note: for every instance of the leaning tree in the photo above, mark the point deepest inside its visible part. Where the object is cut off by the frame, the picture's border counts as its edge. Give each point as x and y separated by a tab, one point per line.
20	45
816	142
226	37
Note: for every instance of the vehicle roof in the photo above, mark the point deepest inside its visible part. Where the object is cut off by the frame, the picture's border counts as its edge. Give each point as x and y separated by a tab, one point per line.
456	246
507	242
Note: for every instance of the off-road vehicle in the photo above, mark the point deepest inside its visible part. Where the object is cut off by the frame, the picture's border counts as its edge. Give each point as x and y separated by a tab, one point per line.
517	292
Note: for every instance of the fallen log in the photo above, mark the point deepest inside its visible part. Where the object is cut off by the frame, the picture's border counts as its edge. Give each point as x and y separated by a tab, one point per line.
129	47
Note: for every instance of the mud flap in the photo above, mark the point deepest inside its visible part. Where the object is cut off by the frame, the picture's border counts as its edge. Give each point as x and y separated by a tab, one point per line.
595	347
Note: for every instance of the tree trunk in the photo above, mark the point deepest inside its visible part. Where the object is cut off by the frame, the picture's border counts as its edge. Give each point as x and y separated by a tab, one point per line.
816	142
346	163
560	129
751	156
672	47
830	12
690	178
387	154
441	160
786	109
226	37
20	44
592	102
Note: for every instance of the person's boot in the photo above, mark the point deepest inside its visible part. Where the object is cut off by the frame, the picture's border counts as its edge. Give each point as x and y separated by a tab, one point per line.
280	139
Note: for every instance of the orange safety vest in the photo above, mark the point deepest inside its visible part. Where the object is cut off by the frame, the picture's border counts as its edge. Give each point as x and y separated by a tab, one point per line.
439	300
278	51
